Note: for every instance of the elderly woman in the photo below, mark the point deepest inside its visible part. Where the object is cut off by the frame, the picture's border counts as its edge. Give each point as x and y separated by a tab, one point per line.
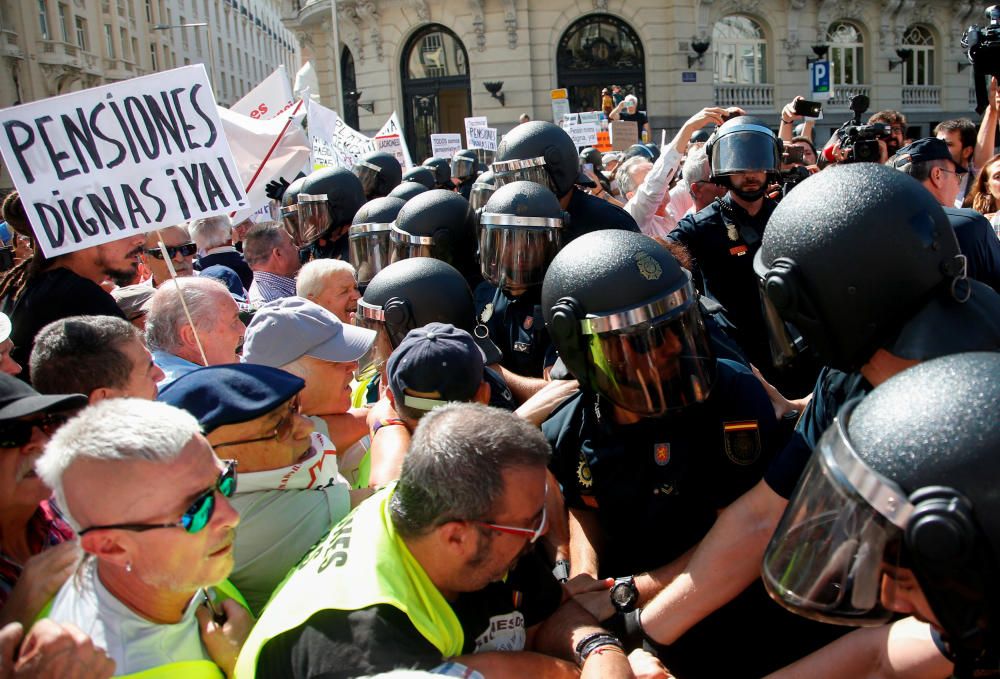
37	551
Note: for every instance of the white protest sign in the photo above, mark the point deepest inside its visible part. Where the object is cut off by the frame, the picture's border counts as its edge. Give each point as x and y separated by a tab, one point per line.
272	97
583	135
483	138
477	121
591	117
560	104
322	127
390	139
571	119
114	161
445	145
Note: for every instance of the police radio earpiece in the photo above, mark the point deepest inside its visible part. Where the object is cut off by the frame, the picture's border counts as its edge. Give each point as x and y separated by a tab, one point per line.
941	531
398	319
564	327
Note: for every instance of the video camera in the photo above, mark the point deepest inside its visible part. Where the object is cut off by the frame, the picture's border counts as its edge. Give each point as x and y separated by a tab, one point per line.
983	49
861	141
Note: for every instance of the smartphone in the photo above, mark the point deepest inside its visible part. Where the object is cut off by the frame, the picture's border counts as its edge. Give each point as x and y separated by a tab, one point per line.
793	154
809	109
588	167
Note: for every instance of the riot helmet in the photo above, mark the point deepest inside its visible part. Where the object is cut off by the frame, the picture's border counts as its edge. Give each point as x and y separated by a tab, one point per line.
437	224
421	175
904	478
407	190
482	189
743	144
344	197
539	152
484	158
592	156
379	173
639	150
442	172
369	236
853	263
520	231
464	164
625	318
290	207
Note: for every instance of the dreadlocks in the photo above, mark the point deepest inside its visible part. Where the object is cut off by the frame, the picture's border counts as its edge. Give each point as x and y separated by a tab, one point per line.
14	281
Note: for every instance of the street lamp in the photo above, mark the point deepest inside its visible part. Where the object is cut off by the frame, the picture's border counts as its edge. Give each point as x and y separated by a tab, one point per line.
208	35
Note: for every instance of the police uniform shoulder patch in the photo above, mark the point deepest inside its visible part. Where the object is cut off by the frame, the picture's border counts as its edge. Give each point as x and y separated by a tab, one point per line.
583	474
648	267
732	232
486	314
661	454
742	441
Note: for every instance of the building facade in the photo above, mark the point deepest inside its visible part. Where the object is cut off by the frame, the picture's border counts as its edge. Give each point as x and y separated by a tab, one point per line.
436	61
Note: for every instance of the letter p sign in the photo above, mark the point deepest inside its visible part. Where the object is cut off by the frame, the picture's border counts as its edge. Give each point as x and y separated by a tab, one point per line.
821	80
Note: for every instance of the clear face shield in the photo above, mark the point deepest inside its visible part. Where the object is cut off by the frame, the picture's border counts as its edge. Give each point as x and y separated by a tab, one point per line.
290	219
369	249
746	148
373	318
367	173
462	167
654	358
515	252
530	170
484	157
480	194
842	528
313	220
404	245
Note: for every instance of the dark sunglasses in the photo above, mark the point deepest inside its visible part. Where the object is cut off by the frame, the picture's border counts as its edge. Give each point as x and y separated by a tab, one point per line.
197	515
281	431
186	250
17	433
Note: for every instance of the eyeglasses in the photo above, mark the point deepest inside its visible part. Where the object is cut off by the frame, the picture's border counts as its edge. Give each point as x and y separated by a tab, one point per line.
531	533
17	433
196	516
281	432
186	250
958	175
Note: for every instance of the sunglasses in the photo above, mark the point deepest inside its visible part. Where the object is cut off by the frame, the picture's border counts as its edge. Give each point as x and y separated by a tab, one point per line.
531	533
281	431
185	249
17	433
196	516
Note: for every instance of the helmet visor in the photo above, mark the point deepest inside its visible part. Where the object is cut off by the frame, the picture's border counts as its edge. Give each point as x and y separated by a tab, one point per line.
314	219
530	170
652	366
373	318
290	220
406	246
369	249
826	558
368	174
480	194
485	157
748	148
462	167
515	252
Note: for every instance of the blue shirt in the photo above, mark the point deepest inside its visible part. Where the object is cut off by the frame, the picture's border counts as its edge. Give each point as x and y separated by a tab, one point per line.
172	366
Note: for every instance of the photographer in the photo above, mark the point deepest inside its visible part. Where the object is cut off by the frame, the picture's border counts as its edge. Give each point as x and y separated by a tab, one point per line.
789	115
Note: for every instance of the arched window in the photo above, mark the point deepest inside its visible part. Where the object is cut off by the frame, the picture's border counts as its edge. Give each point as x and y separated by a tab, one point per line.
436	95
598	51
918	69
847	53
740	51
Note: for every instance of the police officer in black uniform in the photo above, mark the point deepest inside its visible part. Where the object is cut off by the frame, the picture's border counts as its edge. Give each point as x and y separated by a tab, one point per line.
481	190
379	173
442	173
344	197
370	237
439	224
422	175
544	153
464	170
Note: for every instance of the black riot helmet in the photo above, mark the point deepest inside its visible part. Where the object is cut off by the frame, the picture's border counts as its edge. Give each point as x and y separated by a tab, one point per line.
369	236
437	224
640	151
442	172
290	207
344	197
520	231
379	173
592	156
407	190
905	478
464	164
854	263
743	144
625	319
482	189
538	152
421	175
410	294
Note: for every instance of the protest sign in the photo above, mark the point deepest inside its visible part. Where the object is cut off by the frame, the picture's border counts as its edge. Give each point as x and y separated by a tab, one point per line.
322	127
591	117
624	133
445	145
483	138
477	121
110	162
390	139
560	104
583	135
272	97
571	119
603	141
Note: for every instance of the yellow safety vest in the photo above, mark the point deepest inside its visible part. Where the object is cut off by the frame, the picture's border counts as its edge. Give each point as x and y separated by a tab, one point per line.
348	574
358	396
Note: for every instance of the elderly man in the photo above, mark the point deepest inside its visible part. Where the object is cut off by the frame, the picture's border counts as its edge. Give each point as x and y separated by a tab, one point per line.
214	237
331	283
98	356
628	110
180	251
696	174
272	255
178	346
425	570
290	490
149	500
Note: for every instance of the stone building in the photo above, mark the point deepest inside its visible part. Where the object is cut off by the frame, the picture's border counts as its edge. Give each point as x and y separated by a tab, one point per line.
432	61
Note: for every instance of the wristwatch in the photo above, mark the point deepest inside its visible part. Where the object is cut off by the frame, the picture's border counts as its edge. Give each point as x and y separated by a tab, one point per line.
624	594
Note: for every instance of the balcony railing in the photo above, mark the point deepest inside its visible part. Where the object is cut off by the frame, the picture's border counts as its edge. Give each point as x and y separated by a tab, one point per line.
921	95
744	96
842	95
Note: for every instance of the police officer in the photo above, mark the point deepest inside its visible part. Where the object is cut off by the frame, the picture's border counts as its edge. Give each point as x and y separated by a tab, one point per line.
344	197
407	190
544	153
437	224
898	512
482	189
442	173
379	173
724	237
421	175
464	170
370	237
289	206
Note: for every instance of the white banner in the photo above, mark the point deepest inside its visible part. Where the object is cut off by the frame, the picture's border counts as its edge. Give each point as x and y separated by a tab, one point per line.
322	126
476	121
272	97
445	145
590	117
583	135
483	138
390	139
110	162
571	119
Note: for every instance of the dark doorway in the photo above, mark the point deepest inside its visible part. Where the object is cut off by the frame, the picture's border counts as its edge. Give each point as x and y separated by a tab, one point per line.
349	86
436	94
599	51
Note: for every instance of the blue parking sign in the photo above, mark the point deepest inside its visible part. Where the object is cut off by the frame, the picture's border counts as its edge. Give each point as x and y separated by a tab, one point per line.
821	76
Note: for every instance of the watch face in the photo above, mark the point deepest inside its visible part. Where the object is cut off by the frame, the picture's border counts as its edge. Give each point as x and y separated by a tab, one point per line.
621	594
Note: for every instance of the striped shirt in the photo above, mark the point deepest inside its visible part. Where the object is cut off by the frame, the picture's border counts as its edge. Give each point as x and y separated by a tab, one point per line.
268	286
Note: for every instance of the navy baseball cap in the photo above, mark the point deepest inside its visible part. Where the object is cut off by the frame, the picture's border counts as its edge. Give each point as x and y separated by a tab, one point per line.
922	150
229	278
437	358
231	393
18	399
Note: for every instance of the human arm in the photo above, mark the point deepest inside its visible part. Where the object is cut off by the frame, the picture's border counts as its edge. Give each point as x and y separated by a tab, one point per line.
521	387
348	428
537	408
616	112
584	542
51	651
224	639
986	138
42	576
388	444
788	117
